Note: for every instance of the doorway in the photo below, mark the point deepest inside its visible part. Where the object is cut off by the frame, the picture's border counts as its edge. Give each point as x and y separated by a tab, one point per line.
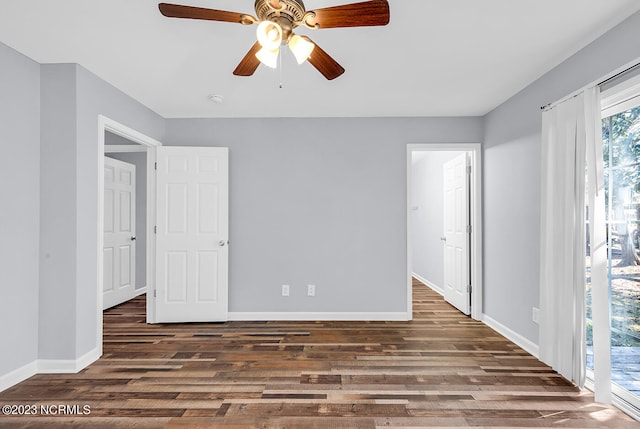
192	204
429	237
125	140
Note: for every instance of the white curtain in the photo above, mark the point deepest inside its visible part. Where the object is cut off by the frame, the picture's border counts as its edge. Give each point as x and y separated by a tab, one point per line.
571	143
598	237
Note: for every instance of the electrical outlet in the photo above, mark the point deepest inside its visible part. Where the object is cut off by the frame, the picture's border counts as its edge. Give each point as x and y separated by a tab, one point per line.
285	290
535	314
311	290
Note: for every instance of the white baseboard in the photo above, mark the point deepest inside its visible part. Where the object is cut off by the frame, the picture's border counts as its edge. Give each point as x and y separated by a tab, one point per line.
138	292
318	316
61	366
48	366
56	366
512	336
18	375
432	285
88	358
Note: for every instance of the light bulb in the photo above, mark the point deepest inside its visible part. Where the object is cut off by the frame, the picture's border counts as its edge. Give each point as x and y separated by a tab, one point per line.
301	48
269	35
268	57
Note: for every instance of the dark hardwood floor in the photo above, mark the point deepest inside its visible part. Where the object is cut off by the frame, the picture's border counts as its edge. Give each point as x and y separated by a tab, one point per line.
440	370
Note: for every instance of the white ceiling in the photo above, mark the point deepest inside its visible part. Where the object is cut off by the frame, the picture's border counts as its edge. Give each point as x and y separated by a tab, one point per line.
435	58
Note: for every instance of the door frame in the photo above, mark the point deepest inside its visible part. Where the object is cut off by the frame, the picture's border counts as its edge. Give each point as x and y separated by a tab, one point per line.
150	144
475	160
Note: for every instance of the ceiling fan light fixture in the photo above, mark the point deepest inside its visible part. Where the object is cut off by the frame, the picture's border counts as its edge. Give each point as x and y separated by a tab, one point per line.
269	35
300	48
268	57
277	19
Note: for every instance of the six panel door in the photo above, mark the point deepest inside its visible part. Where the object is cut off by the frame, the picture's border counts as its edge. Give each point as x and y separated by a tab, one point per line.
192	234
457	265
119	251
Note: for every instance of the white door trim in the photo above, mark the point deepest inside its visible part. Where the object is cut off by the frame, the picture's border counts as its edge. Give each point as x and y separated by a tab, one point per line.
124	148
107	124
475	150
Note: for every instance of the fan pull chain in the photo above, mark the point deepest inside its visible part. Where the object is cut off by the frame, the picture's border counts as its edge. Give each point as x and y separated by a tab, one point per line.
280	69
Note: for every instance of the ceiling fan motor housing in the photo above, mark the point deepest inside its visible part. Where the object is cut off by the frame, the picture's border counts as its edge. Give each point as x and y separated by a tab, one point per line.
290	12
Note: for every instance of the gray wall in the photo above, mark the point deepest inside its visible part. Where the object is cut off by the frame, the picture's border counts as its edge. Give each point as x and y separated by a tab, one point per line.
511	180
72	99
319	201
428	216
139	159
19	215
57	212
96	97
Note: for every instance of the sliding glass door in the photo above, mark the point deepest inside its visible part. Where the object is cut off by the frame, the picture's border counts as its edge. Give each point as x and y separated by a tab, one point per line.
621	150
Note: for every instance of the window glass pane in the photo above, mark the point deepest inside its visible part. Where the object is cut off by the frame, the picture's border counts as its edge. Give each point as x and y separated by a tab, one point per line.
621	145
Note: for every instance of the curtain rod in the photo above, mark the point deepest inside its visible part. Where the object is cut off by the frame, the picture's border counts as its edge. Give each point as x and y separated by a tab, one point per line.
605	80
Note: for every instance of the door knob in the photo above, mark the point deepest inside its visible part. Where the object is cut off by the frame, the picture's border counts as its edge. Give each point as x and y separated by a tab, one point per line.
221	243
133	238
443	238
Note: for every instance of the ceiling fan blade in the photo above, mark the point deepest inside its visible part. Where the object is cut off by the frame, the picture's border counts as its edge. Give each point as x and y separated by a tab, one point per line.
364	14
191	12
249	63
323	62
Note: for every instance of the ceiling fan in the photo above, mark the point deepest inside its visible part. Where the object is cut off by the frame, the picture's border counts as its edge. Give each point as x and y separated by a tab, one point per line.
276	21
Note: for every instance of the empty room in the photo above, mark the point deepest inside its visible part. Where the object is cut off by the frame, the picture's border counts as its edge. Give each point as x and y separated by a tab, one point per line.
320	214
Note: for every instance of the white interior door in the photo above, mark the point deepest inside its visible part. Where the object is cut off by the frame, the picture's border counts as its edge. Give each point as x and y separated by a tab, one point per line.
119	253
457	266
192	234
